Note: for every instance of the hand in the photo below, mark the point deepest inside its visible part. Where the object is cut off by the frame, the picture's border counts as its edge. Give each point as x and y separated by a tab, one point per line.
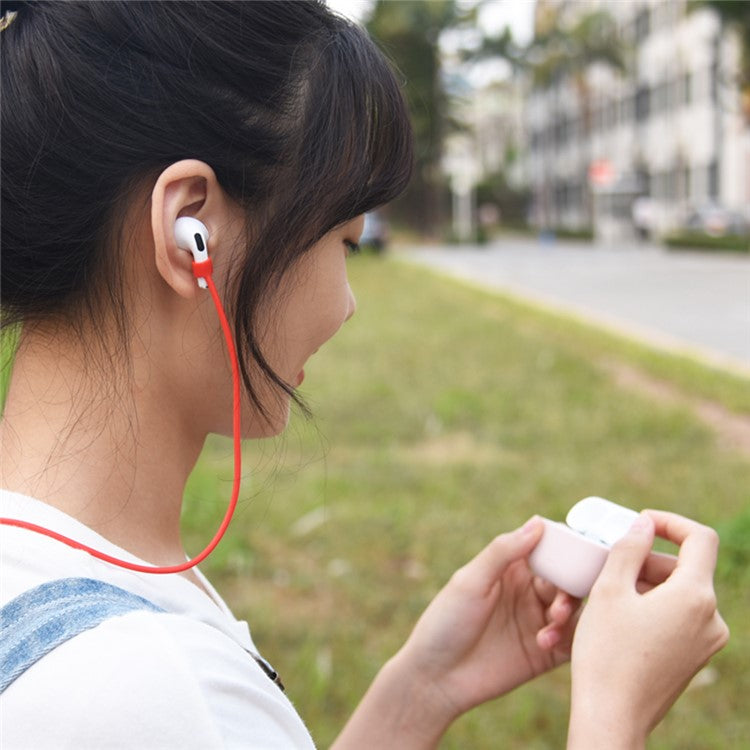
493	627
647	628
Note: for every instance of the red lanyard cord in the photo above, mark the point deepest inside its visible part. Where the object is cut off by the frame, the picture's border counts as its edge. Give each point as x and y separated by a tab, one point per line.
202	270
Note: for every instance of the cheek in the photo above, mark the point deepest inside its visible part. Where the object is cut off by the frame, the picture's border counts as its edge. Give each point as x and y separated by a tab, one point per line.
318	315
314	304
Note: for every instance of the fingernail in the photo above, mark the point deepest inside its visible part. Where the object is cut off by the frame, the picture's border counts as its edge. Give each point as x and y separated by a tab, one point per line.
641	523
563	608
550	639
530	526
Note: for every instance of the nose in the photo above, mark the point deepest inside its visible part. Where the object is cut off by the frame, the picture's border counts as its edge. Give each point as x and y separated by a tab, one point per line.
352	305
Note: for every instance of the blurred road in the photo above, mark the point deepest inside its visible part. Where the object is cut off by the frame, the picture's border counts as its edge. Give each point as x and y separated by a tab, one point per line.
690	302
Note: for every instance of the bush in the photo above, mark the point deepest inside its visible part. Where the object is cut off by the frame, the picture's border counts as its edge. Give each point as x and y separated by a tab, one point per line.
512	202
517	227
703	241
565	233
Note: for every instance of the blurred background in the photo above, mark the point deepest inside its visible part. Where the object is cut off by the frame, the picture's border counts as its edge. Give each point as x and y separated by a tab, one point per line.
620	121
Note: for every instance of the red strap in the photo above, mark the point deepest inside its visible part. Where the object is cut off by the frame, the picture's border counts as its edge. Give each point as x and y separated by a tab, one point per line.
202	269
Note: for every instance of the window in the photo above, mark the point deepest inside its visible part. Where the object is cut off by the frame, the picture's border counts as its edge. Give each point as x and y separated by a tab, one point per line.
626	109
715	82
658	186
675	94
549	136
575	128
685	183
659	100
642	103
613	112
576	194
687	83
597	118
560	196
561	131
713	180
642	24
671	184
644	181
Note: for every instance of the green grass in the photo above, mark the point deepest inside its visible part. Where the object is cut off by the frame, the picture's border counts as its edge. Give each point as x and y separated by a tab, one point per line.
8	343
692	377
445	415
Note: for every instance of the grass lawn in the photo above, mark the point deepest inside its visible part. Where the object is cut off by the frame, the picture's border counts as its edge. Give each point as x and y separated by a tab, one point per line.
445	415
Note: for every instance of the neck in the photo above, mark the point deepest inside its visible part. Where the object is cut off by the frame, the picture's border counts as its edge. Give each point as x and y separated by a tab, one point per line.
114	454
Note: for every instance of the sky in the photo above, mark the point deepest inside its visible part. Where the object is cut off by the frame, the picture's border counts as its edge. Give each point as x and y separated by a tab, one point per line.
494	16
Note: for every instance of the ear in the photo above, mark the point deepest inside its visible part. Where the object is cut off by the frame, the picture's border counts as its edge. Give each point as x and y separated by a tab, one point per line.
185	188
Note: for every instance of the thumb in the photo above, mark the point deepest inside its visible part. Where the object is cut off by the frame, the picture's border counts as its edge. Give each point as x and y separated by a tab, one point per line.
485	569
628	555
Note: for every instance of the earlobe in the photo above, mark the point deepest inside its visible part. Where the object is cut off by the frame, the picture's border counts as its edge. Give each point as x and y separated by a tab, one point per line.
185	188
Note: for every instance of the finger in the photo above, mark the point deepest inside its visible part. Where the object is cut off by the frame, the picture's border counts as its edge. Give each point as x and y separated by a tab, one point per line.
558	636
657	568
545	591
548	637
699	544
562	608
480	574
628	555
558	605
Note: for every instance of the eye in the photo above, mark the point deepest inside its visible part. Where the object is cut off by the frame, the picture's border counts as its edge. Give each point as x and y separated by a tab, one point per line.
351	247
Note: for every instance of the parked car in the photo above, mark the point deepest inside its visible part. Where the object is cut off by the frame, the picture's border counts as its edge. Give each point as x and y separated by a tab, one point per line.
375	232
716	221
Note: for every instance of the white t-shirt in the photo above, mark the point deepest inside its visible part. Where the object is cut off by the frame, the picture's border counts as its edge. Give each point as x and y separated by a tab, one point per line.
180	679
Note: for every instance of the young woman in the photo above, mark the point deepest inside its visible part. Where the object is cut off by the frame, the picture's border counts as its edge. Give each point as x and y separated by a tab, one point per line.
276	125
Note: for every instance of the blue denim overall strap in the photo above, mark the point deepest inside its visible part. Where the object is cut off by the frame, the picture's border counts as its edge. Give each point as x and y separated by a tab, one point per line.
45	617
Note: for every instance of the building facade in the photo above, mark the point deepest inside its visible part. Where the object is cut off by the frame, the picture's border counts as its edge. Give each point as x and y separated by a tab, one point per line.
646	146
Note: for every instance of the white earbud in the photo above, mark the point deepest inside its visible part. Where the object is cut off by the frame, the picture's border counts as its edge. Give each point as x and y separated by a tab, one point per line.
192	235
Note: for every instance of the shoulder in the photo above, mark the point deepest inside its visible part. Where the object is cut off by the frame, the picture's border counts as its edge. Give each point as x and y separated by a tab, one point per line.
121	684
144	676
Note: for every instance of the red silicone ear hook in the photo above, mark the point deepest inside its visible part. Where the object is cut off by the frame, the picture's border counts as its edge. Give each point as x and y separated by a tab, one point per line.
202	270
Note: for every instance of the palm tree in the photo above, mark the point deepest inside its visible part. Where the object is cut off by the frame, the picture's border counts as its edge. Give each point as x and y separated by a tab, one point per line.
735	14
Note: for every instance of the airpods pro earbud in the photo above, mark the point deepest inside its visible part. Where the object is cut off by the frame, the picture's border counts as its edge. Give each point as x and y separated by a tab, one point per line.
192	235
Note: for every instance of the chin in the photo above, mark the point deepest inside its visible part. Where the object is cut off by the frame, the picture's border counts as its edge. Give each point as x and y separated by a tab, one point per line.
271	425
268	429
254	424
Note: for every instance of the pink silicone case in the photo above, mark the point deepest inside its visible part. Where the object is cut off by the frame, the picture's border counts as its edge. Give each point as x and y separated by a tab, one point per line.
568	559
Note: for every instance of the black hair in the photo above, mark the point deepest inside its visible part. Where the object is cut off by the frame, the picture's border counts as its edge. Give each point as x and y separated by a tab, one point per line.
294	108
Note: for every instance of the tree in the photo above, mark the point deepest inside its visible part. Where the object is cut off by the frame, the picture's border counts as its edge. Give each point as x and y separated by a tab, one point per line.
735	14
409	32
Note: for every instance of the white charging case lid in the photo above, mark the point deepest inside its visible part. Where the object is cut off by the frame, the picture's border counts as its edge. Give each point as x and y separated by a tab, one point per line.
600	519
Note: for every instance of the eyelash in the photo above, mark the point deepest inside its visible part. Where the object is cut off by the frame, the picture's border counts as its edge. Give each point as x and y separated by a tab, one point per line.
352	247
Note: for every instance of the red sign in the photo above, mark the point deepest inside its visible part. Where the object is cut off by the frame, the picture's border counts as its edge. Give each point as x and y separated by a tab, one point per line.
601	172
